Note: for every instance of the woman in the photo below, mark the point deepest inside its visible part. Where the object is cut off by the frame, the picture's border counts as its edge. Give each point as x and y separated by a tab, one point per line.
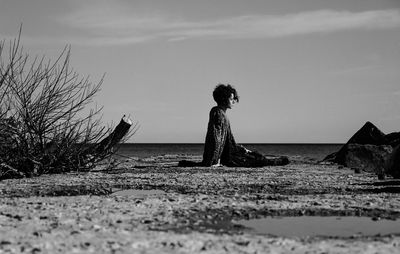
220	147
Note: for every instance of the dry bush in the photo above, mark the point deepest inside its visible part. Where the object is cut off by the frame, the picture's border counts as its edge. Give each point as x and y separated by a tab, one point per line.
45	123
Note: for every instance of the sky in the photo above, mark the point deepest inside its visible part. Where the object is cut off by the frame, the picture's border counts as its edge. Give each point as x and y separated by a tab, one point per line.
307	71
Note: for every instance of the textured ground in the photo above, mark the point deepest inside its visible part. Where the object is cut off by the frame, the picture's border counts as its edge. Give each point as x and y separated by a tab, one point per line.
78	213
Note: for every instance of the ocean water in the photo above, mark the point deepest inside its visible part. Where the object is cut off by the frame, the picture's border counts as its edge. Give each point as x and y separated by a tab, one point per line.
143	150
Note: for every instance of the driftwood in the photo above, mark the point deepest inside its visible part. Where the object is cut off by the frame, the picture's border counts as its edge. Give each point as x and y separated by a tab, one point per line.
108	143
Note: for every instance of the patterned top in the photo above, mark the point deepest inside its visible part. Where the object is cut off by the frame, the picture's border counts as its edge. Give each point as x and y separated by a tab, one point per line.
220	143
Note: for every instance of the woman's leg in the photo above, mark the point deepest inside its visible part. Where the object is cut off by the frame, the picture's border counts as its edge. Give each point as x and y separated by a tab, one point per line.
256	159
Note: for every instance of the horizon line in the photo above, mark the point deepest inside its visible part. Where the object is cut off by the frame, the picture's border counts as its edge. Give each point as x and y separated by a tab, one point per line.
251	143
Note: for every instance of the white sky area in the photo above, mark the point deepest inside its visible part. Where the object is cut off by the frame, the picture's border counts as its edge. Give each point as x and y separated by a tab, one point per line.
307	71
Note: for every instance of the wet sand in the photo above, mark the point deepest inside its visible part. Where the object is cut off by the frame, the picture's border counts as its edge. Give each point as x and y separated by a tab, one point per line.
194	210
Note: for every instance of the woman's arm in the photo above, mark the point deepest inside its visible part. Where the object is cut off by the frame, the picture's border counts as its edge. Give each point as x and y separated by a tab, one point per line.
217	165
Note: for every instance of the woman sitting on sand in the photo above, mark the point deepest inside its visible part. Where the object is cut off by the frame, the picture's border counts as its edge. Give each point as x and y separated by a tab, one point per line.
220	147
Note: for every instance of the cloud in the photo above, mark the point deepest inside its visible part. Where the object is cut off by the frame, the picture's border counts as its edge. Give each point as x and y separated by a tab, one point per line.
349	70
113	24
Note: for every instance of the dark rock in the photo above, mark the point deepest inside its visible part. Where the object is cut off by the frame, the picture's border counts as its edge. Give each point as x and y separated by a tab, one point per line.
368	134
393	139
369	149
368	158
331	157
393	163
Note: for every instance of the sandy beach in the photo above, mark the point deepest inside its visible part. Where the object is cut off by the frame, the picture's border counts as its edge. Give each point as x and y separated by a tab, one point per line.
100	101
191	210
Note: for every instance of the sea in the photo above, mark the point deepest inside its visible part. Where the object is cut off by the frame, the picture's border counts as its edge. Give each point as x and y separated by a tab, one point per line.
311	151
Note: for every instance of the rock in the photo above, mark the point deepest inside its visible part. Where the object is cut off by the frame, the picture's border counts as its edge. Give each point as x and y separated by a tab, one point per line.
393	163
368	134
393	138
369	158
369	149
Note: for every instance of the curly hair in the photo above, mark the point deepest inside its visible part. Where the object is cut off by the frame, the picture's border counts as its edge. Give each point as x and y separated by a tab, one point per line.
223	92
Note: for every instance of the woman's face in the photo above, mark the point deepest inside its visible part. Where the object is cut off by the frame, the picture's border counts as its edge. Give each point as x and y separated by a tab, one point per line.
231	101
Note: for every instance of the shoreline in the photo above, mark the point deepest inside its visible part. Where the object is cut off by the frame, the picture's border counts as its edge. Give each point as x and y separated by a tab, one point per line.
75	211
145	150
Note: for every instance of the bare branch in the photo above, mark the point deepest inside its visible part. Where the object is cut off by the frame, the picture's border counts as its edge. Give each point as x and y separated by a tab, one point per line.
46	108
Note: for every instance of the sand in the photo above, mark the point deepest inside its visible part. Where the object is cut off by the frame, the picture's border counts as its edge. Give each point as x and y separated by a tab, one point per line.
195	210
